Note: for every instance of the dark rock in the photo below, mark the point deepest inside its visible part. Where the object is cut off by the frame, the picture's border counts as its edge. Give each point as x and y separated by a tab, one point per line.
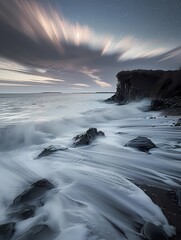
153	232
82	139
161	104
92	132
39	232
177	146
49	150
101	134
141	143
176	196
117	97
87	137
34	192
7	230
178	124
138	84
120	133
169	105
22	213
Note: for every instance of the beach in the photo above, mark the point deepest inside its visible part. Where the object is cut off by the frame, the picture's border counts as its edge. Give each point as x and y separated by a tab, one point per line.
104	189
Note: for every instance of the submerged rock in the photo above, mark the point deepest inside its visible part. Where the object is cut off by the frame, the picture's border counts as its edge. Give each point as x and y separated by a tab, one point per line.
22	213
141	143
49	150
34	192
153	232
37	233
7	230
87	137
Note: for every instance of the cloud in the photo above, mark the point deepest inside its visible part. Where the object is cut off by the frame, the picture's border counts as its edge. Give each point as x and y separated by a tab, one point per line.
96	79
81	85
17	77
41	45
175	53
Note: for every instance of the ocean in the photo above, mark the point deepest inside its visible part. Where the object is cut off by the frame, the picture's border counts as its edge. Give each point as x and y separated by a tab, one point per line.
96	194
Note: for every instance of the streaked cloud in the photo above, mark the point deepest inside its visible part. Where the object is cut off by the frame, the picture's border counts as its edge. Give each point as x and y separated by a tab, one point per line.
38	45
9	75
81	85
96	78
49	24
172	54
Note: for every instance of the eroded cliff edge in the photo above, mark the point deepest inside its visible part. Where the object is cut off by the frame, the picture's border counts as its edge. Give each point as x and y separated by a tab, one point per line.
139	84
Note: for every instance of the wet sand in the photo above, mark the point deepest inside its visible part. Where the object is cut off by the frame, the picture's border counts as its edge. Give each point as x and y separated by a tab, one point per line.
164	199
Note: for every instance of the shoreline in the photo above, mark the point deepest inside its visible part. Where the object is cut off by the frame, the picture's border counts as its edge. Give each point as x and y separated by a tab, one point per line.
159	194
164	199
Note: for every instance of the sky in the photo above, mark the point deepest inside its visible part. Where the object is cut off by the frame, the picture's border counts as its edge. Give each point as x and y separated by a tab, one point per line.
80	45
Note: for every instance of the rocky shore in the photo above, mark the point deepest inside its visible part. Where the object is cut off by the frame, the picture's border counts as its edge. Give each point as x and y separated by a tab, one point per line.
169	202
164	90
163	87
134	149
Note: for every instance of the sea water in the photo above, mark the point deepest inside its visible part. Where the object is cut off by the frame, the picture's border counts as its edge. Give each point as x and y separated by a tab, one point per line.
96	195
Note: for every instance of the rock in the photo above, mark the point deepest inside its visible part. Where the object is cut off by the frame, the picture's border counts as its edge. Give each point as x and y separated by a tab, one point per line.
133	85
82	139
117	97
87	137
94	133
178	124
120	133
138	84
101	134
22	213
141	143
153	232
39	232
176	196
7	230
49	150
158	104
34	192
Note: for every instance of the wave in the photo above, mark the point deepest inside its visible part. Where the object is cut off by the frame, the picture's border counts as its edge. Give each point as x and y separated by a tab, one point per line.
95	195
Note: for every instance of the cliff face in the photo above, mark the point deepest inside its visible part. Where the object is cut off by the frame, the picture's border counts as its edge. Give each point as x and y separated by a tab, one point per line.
138	84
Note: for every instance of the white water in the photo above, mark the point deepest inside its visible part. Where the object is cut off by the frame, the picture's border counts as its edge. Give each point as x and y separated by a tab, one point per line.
95	192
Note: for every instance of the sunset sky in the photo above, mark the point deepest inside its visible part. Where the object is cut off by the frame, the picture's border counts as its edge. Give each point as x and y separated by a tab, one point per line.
80	45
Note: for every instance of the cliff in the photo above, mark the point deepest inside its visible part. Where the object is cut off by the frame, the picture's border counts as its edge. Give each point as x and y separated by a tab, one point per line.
139	84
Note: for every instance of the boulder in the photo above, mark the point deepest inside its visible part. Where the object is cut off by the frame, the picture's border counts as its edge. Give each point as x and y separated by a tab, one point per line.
49	150
87	137
34	192
7	230
38	232
141	143
94	133
153	232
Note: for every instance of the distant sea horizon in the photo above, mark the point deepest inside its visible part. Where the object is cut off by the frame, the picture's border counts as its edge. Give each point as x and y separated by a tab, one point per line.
53	92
